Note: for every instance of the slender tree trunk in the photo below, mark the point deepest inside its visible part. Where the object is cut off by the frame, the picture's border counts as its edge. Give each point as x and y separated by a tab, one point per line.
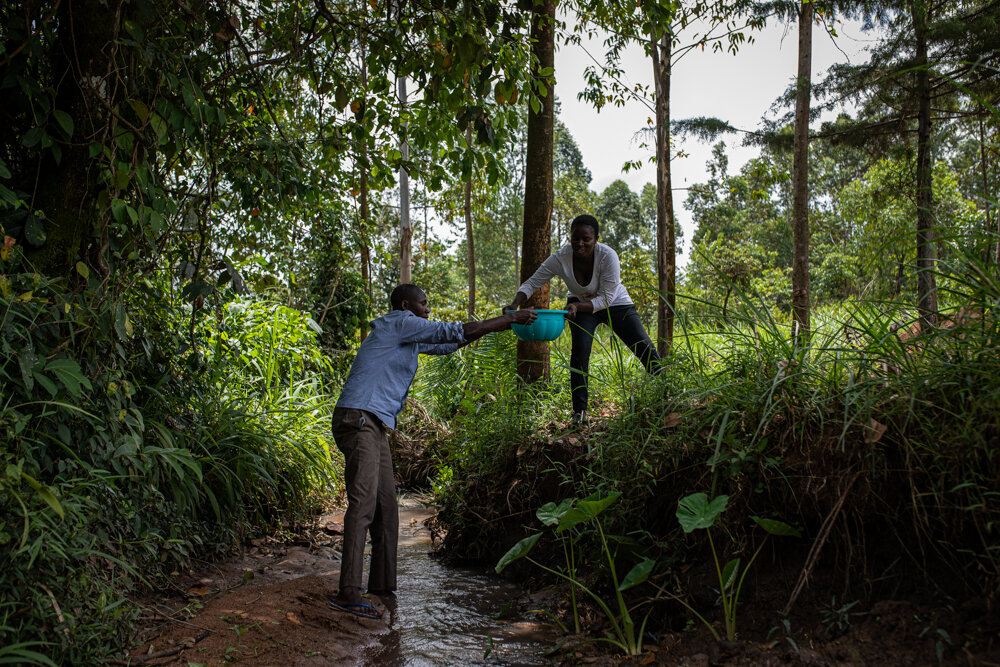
926	256
533	356
469	241
517	265
991	252
666	242
800	175
366	255
406	230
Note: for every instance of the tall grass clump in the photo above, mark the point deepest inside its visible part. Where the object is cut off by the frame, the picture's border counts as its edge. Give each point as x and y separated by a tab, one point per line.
876	439
133	442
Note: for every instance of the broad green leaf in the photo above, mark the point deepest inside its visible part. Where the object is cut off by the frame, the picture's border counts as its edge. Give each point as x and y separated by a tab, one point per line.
775	527
33	137
83	270
550	513
68	372
65	121
4	171
695	511
141	110
46	383
118	208
34	230
519	550
572	517
312	324
52	501
26	360
637	574
729	573
594	506
45	493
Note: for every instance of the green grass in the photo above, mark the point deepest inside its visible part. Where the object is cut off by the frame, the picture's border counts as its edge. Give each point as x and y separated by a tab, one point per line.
899	430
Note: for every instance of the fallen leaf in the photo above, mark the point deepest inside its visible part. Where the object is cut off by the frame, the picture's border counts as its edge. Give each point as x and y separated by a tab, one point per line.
648	659
671	420
197	591
875	432
292	618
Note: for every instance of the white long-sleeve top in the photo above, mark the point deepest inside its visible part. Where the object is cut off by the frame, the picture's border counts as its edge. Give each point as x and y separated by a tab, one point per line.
605	288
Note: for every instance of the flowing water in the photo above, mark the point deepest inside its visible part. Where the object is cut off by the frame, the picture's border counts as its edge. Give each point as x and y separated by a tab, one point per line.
453	616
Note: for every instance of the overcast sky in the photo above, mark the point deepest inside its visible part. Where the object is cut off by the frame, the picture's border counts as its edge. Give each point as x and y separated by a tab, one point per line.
737	88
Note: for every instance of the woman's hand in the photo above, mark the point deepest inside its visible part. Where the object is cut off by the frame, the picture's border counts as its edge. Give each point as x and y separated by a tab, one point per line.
515	303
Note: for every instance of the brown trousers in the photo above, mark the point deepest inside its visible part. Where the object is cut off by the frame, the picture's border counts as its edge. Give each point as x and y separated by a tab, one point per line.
371	499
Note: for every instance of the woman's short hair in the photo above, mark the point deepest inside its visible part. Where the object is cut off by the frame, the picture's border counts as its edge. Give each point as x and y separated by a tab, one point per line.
588	221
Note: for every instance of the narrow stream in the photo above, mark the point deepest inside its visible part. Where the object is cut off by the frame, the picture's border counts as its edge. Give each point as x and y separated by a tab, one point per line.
446	615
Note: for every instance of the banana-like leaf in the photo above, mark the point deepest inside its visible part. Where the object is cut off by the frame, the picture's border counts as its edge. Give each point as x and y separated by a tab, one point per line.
593	505
696	511
519	550
572	517
637	574
550	513
775	527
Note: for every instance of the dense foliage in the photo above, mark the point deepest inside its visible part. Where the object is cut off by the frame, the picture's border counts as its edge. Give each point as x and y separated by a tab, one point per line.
199	215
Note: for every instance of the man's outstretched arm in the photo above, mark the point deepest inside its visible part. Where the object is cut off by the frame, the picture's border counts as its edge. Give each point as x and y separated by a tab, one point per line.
474	330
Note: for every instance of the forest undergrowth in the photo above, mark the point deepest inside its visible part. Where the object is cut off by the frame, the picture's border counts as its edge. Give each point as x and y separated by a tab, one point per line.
136	443
876	440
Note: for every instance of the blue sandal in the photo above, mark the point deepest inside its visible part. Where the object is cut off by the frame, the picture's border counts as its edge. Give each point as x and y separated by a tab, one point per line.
357	608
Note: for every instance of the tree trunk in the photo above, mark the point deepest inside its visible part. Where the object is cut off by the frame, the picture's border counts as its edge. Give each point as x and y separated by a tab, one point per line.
469	241
991	252
65	191
800	176
533	356
406	230
666	242
366	255
926	256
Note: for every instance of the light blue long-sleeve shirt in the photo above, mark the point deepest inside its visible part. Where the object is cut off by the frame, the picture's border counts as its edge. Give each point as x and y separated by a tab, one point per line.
383	370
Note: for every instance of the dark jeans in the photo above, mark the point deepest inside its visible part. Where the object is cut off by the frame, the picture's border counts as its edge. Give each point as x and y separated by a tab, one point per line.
625	323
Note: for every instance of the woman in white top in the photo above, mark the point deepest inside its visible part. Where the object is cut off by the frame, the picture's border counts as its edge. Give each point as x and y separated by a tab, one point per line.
592	273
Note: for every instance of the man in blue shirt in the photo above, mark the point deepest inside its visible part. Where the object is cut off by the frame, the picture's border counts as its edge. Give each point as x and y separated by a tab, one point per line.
372	397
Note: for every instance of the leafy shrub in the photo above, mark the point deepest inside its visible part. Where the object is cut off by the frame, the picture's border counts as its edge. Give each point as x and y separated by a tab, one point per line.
126	454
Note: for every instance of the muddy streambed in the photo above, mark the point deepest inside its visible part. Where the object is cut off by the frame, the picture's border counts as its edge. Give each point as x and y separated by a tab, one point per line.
269	607
449	616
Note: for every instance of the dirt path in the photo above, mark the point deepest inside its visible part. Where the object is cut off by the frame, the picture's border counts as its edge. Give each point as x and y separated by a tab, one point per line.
268	607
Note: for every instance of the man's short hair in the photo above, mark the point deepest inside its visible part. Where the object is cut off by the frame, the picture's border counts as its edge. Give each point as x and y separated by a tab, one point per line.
404	292
588	221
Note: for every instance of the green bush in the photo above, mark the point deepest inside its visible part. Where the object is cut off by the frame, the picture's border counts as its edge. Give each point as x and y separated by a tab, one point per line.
125	454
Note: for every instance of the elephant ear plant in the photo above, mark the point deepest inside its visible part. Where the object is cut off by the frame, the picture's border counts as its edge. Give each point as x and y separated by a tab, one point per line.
697	512
566	519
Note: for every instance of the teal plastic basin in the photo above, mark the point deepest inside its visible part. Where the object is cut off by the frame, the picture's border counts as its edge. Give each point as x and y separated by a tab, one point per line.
547	326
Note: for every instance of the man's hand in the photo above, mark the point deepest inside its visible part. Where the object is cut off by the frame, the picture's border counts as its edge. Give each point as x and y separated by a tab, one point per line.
571	311
508	308
523	316
474	330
